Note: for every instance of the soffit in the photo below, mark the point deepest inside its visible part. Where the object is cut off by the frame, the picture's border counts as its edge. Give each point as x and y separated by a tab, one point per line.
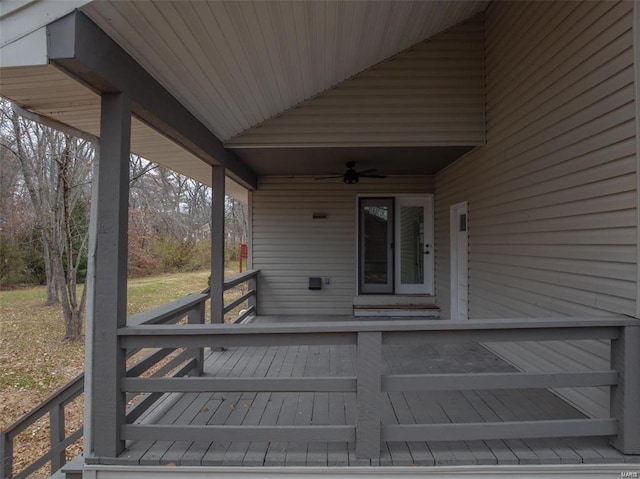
320	161
52	93
237	64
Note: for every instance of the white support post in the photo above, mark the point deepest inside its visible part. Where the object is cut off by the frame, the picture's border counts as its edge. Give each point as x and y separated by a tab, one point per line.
109	293
217	245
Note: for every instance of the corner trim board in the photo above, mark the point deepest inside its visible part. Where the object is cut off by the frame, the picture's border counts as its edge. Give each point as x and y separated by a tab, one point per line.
636	56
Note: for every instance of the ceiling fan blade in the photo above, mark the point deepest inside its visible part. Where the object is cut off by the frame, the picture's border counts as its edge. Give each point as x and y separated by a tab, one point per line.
366	172
370	175
328	177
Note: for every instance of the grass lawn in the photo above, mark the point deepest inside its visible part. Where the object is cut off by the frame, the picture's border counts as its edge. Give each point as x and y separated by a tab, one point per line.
35	361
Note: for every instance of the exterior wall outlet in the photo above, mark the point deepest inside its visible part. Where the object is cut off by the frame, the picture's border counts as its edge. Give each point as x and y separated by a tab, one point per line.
327	281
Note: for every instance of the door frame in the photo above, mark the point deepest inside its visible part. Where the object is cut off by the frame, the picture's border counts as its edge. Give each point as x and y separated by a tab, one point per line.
454	230
431	196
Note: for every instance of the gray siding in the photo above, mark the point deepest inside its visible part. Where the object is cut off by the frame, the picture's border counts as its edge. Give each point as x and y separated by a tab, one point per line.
553	195
289	245
429	95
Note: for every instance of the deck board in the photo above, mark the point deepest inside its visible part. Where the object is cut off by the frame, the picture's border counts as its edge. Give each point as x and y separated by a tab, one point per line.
323	408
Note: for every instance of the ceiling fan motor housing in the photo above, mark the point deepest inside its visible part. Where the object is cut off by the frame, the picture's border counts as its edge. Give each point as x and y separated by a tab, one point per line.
350	177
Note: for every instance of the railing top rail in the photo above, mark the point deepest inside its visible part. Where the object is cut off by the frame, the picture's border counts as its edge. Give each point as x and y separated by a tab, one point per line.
68	392
166	311
240	278
382	326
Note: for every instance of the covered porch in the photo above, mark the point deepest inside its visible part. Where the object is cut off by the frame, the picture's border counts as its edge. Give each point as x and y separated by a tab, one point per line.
346	392
528	173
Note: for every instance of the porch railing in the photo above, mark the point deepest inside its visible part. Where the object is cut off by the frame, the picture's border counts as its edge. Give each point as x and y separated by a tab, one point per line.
251	278
370	383
58	440
156	364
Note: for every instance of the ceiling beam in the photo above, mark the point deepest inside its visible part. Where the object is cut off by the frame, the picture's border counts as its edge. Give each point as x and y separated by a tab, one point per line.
82	49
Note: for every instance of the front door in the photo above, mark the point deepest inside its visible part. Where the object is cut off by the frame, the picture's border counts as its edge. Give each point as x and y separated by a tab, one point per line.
396	245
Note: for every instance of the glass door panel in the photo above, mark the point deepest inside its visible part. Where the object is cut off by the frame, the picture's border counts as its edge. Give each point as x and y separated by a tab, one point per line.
411	244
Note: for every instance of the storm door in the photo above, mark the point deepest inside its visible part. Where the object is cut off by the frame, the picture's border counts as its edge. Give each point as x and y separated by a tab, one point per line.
376	245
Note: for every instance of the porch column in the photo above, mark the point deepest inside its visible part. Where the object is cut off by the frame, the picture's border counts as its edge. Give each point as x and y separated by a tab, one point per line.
217	244
625	358
109	311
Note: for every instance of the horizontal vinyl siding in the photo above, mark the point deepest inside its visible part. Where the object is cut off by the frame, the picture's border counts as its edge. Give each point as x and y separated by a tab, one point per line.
289	246
553	195
429	95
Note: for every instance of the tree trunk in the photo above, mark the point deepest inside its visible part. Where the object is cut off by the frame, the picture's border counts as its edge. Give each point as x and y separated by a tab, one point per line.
52	289
73	326
72	314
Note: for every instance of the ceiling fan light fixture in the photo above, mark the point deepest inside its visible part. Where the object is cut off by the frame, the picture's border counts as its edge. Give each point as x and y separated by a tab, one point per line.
350	177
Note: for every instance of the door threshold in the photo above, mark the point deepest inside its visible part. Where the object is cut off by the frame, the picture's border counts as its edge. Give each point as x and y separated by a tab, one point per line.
398	312
396	305
389	300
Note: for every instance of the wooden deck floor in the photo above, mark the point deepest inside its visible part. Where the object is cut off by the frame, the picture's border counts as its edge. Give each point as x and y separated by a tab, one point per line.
339	408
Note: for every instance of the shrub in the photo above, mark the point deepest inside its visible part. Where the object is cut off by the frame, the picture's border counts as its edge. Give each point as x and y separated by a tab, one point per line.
176	255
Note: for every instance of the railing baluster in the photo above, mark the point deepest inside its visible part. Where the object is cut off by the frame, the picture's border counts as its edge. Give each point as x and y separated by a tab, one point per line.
196	316
6	455
625	403
253	300
57	435
368	395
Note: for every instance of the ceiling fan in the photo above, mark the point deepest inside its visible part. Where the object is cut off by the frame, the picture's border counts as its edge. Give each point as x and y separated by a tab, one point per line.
351	176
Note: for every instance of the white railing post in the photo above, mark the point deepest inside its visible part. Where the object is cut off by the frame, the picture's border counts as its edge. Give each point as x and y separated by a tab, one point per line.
625	396
368	395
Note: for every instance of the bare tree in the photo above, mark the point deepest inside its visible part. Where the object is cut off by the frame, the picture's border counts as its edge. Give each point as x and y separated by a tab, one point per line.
56	170
45	178
236	220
